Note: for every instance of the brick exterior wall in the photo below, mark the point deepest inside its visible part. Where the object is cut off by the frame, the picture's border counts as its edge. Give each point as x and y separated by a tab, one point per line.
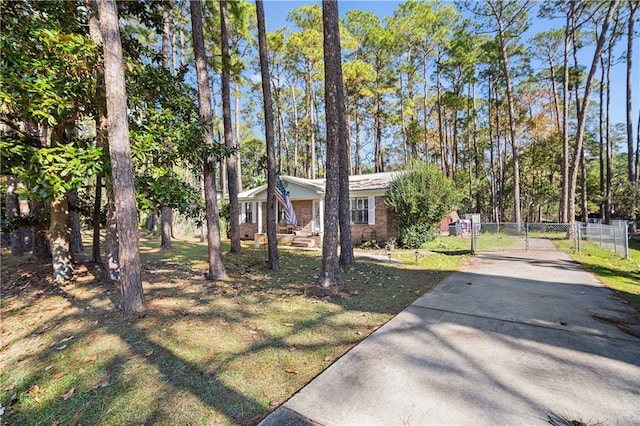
383	230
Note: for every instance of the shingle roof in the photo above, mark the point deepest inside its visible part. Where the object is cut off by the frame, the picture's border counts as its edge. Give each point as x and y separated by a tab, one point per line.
366	182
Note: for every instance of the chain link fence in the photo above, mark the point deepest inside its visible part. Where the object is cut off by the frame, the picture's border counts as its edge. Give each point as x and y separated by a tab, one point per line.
611	237
507	236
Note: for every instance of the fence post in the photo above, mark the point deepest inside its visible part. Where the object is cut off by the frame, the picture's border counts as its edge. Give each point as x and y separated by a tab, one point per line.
474	237
615	240
600	241
526	235
626	242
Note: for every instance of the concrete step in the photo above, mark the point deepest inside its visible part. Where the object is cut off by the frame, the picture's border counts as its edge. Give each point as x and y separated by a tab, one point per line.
303	242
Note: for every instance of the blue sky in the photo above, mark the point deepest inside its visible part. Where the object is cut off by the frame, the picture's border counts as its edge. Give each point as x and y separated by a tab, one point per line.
276	17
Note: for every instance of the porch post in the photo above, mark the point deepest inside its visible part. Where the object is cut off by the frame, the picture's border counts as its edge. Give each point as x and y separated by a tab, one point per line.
259	203
321	208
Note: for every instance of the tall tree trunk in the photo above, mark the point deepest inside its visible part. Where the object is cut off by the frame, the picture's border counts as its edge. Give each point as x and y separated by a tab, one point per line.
312	170
41	248
609	150
236	112
11	204
403	124
585	206
334	103
379	163
358	158
425	106
232	172
111	246
501	155
296	134
58	236
443	161
272	241
120	154
564	200
554	89
512	127
101	130
26	236
631	169
583	109
166	215
214	245
476	150
632	163
74	222
330	268
601	149
492	165
95	221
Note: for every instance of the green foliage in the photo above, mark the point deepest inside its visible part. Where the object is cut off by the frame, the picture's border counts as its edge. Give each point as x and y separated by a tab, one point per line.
421	195
414	236
52	171
171	191
46	69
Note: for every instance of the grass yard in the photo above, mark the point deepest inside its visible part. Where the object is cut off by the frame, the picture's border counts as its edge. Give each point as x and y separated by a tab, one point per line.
225	352
487	241
622	275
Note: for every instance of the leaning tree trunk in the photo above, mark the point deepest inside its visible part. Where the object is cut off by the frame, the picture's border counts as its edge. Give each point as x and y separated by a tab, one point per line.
582	116
126	213
272	238
232	172
330	268
214	245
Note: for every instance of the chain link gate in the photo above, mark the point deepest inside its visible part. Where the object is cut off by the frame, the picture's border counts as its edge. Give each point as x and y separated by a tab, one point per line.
507	236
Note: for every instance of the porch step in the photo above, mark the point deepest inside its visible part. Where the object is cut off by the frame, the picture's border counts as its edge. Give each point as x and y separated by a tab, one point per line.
299	241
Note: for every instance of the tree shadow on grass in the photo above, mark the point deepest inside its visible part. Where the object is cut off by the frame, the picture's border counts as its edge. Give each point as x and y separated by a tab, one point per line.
376	287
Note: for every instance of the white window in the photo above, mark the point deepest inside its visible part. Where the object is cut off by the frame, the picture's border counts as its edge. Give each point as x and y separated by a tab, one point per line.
359	210
248	212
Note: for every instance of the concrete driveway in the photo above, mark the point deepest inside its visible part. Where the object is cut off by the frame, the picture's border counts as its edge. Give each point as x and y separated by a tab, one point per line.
514	338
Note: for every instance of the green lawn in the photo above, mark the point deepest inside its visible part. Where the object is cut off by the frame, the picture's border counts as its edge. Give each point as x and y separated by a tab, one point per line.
622	275
225	352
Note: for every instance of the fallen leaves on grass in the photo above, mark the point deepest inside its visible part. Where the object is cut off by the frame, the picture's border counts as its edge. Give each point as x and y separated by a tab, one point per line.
291	371
69	394
90	358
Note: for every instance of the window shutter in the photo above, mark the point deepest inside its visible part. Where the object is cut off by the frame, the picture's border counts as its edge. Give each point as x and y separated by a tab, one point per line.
254	212
243	206
372	210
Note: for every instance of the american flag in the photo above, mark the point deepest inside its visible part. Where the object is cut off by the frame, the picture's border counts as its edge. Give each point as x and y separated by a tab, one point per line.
283	196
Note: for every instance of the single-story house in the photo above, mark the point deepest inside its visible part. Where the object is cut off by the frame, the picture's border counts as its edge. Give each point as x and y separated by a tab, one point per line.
370	217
